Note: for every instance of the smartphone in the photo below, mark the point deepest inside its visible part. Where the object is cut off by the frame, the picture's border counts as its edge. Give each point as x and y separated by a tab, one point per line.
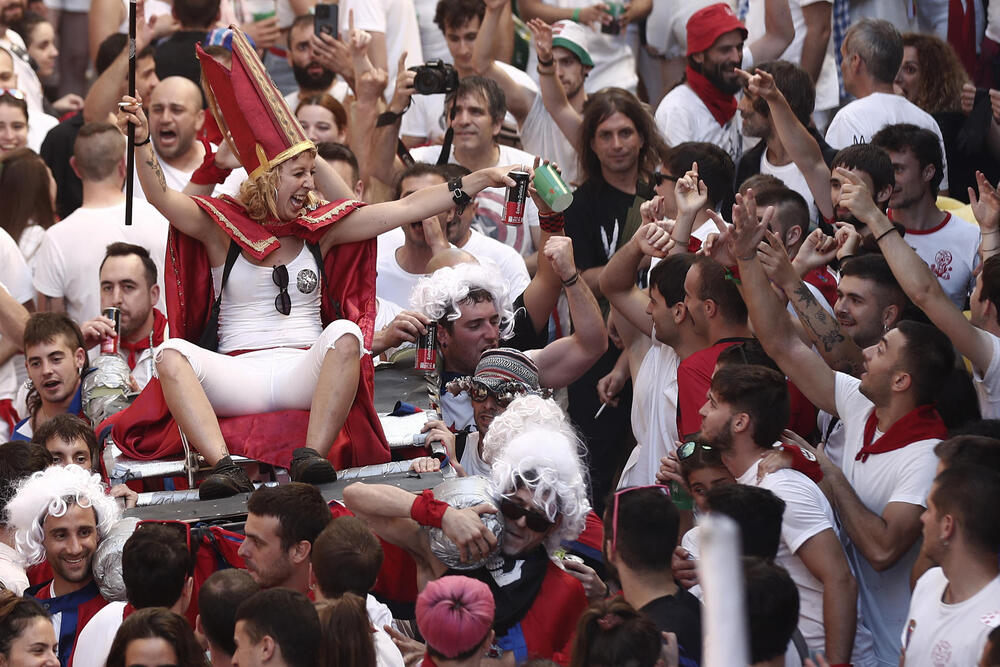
326	20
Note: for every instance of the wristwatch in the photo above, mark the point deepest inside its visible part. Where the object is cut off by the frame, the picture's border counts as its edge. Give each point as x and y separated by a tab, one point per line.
458	195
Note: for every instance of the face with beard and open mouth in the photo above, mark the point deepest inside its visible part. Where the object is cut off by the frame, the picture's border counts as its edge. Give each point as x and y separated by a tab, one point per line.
313	76
11	12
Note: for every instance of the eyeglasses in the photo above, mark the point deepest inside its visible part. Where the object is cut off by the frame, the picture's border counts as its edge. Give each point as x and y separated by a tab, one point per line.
614	512
534	520
282	302
480	392
13	92
688	449
659	177
183	529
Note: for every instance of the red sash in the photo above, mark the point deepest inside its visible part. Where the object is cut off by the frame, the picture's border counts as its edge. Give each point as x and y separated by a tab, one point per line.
921	423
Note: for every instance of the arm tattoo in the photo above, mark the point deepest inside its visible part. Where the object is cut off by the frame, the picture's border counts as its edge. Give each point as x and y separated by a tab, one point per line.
157	171
822	328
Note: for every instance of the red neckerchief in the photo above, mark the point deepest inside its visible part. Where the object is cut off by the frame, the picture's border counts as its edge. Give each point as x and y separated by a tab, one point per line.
428	661
921	423
722	106
133	349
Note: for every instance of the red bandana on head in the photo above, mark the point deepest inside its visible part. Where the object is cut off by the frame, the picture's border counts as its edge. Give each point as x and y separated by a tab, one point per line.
921	423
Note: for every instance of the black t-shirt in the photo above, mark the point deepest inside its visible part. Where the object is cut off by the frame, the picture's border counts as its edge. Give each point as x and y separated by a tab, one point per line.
596	222
679	613
175	56
56	150
524	337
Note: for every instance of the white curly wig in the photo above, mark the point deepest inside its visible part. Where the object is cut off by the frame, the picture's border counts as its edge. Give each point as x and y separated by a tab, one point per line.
51	492
439	296
525	413
549	464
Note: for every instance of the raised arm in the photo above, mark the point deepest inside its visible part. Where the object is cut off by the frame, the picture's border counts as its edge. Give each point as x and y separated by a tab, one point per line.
382	162
818	18
106	91
778	32
915	277
176	207
542	293
690	197
531	9
986	208
13	317
491	34
553	94
768	315
801	145
563	361
618	280
370	221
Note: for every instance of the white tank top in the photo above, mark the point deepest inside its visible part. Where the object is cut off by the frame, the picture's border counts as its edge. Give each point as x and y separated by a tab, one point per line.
248	319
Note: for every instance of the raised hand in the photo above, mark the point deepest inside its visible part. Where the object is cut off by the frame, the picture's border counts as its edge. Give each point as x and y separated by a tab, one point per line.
716	245
774	258
541	33
985	206
559	251
856	197
653	209
848	239
654	238
370	84
404	85
968	97
130	111
760	83
747	231
816	251
690	192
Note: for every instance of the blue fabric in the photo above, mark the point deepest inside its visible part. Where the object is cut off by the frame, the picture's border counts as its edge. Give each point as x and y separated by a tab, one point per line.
841	22
514	641
68	605
75	408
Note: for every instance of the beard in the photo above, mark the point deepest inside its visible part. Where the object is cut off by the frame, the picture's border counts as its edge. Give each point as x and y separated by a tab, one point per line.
307	81
713	72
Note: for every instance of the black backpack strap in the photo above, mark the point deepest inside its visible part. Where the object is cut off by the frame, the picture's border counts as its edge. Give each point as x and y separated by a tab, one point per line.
210	335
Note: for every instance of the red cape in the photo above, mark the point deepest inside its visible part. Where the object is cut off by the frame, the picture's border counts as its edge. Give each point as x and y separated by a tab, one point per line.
146	431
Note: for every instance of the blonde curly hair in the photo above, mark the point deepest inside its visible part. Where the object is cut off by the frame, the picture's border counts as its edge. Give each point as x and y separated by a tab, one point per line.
259	195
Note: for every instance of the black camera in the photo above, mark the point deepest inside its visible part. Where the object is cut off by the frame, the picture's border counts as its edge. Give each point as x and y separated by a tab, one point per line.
435	77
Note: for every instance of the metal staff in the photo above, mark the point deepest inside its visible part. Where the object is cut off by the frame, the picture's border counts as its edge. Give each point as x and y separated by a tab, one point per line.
130	147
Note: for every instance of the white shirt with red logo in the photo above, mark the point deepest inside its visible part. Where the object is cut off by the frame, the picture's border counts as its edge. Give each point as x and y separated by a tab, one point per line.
951	250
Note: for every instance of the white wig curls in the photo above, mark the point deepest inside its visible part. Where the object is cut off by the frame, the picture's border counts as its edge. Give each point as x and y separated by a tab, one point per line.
525	413
51	492
547	463
439	295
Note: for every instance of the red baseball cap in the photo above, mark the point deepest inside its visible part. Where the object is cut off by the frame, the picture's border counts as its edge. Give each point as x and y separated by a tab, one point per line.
708	24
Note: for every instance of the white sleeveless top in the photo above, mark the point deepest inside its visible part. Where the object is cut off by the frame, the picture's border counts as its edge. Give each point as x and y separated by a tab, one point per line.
248	319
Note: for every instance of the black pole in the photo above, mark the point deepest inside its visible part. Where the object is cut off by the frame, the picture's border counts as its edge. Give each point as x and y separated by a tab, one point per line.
130	147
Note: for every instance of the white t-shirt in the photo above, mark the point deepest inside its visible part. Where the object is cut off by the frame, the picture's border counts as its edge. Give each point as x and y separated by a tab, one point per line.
807	513
395	284
15	278
425	117
938	634
900	13
397	20
654	414
339	91
827	87
951	252
70	258
432	41
793	178
12	569
177	179
860	120
472	462
682	116
987	384
901	476
542	137
490	202
93	643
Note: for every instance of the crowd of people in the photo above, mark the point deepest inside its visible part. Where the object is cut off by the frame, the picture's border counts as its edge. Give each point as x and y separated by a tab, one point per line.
773	302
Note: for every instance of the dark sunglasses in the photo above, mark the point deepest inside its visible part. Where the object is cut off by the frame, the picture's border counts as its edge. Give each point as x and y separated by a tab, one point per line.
659	177
614	514
534	520
689	448
480	392
282	302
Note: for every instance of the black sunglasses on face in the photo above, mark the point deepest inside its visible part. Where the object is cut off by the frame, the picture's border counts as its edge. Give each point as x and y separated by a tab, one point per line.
282	302
659	177
689	448
535	521
480	392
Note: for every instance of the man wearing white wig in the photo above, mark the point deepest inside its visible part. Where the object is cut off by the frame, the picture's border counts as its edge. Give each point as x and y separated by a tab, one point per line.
472	308
60	515
541	491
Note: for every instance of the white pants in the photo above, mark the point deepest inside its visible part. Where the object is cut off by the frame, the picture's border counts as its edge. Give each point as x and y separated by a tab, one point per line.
280	378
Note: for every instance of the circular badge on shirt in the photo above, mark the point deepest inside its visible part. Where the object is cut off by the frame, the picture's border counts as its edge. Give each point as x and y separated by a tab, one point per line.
306	281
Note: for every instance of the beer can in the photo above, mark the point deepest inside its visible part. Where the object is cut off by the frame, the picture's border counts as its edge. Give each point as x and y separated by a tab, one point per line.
426	359
517	196
110	343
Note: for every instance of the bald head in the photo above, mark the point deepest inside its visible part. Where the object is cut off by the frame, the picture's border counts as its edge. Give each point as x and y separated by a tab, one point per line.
97	152
175	117
450	257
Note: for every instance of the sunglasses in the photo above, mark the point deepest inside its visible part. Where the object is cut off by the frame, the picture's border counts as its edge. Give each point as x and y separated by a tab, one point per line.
13	92
689	448
614	514
282	302
534	520
659	177
480	392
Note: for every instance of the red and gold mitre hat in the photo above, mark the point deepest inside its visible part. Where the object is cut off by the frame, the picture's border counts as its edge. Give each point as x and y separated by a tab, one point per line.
251	113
